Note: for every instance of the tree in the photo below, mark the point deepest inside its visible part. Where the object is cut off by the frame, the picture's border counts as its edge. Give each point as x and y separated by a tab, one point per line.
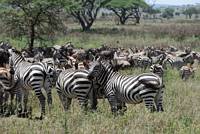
152	11
190	11
31	18
168	13
126	9
84	11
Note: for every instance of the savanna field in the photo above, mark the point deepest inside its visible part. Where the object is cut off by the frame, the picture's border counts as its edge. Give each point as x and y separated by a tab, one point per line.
181	99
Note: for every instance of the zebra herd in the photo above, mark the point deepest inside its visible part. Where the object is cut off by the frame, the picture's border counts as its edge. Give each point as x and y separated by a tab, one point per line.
99	77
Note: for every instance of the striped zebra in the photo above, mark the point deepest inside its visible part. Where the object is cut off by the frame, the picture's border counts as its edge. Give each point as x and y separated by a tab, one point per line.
75	84
60	60
186	72
120	89
29	76
6	108
157	69
144	62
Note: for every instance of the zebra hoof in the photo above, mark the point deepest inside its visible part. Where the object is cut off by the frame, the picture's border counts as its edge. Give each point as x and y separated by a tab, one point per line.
160	110
39	118
19	115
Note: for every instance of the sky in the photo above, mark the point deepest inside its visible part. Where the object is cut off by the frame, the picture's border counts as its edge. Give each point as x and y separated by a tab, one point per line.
175	2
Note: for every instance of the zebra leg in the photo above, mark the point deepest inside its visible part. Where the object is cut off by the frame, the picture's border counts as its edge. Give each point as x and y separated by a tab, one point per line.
49	94
19	102
25	101
12	96
66	102
148	95
6	104
113	103
1	102
93	99
42	99
121	107
49	97
159	100
149	103
83	103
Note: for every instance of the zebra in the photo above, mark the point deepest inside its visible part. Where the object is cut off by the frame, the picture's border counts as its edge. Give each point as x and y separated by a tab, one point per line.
178	62
29	76
144	62
120	89
38	57
60	59
186	72
157	69
75	84
6	75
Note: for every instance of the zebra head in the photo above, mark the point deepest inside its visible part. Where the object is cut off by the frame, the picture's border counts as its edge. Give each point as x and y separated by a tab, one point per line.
157	69
100	70
15	57
95	70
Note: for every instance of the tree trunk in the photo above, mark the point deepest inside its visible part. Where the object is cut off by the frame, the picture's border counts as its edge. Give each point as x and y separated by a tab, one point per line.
122	20
32	37
190	16
137	20
86	26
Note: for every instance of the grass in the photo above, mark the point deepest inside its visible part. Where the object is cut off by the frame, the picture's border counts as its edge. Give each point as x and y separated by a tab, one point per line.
181	103
181	99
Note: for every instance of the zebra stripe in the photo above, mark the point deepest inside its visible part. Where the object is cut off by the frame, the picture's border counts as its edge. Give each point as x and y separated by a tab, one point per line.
186	72
121	89
6	108
74	84
31	76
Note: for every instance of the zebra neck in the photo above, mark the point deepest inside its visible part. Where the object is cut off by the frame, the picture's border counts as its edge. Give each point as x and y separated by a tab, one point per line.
106	76
17	59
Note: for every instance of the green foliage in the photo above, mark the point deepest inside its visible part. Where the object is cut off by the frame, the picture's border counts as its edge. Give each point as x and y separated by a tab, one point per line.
190	11
150	10
126	9
32	19
84	11
127	4
168	13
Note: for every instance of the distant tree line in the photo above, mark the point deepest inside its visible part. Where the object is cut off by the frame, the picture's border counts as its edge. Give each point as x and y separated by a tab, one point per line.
42	19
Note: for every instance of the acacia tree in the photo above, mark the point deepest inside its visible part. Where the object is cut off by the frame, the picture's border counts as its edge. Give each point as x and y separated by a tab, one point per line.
152	11
168	13
31	18
190	11
126	9
85	11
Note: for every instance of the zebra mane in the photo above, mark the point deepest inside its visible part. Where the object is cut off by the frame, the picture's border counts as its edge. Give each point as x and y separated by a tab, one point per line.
15	51
107	65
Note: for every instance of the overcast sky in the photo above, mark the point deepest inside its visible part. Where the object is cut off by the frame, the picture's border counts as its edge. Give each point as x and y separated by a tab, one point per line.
176	2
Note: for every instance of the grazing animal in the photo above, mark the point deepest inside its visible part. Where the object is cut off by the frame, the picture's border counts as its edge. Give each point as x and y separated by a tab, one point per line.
29	76
74	84
6	77
120	89
186	72
157	69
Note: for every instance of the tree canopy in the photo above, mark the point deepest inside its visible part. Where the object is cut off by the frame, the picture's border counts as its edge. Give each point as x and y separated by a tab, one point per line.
190	11
31	18
85	11
126	9
168	13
